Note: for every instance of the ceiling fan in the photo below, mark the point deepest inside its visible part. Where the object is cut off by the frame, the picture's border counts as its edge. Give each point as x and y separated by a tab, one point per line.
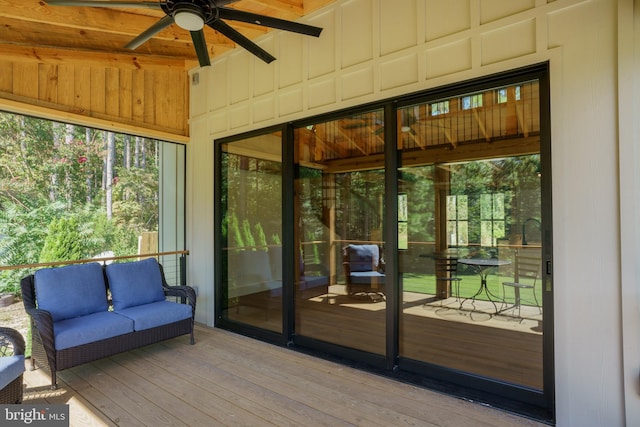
193	15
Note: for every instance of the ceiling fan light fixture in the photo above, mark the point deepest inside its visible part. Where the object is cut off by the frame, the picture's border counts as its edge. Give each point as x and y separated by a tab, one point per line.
189	19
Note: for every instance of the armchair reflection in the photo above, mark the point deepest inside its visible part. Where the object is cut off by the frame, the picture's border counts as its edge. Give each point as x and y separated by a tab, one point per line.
364	270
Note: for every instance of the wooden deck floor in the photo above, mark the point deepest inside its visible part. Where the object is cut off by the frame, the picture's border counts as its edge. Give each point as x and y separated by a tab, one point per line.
503	347
230	380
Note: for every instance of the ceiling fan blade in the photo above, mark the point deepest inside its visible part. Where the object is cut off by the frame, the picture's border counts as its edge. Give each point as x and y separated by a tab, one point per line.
267	21
200	44
150	32
220	3
241	40
104	3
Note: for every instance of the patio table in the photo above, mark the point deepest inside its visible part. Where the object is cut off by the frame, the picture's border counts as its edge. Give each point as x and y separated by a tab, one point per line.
483	266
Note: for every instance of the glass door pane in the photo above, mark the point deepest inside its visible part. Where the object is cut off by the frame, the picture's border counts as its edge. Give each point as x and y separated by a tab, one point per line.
340	294
471	285
252	231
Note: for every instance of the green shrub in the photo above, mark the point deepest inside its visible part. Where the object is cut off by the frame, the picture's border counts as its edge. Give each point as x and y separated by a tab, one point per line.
248	236
63	242
260	237
235	236
23	229
275	239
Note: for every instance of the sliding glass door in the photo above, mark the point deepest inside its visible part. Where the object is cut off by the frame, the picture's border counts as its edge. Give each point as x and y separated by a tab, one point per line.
251	232
471	180
339	205
411	236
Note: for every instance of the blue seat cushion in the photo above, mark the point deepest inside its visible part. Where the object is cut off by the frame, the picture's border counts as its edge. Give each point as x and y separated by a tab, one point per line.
71	291
367	278
93	327
11	367
364	257
149	316
135	283
313	281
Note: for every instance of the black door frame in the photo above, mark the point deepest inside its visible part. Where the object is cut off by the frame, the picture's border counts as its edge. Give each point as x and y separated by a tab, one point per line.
534	403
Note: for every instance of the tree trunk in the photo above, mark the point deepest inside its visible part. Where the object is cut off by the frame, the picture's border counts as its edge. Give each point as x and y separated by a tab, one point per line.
111	149
69	131
143	153
88	171
127	152
136	160
57	131
104	160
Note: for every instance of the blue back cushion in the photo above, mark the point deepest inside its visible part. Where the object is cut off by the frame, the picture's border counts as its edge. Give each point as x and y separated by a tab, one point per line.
71	291
364	257
135	283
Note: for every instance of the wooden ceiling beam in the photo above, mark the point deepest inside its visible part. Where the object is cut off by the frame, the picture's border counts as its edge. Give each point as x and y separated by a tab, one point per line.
128	22
105	31
481	125
103	19
283	9
47	55
25	106
43	35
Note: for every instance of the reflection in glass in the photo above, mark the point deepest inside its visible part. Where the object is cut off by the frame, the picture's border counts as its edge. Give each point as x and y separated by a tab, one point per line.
252	231
474	170
469	195
340	215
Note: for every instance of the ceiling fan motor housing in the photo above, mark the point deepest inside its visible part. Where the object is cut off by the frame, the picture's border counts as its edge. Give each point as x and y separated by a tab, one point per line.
206	10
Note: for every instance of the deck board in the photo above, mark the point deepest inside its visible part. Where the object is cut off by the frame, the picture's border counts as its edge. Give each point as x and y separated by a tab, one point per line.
227	379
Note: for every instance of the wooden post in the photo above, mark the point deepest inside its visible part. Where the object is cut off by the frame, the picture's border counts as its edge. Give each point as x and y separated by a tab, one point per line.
147	243
442	189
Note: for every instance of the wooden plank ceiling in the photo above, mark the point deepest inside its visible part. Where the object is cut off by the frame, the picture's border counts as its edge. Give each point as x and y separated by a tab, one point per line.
32	29
69	63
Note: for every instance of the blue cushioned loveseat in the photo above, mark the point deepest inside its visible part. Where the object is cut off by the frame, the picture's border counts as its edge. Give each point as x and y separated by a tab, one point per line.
84	312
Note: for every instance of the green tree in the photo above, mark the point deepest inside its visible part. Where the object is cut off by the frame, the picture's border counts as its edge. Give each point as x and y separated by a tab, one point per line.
63	241
235	235
247	235
51	170
23	229
260	236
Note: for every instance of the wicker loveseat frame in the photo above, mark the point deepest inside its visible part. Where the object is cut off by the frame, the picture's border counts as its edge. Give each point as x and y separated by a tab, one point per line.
46	355
12	347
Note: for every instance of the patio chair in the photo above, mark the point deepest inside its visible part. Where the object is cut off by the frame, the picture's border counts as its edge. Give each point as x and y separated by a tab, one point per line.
447	277
364	271
527	270
11	366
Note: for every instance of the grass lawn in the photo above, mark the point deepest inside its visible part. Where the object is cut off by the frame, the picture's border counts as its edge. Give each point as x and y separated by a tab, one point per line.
469	285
